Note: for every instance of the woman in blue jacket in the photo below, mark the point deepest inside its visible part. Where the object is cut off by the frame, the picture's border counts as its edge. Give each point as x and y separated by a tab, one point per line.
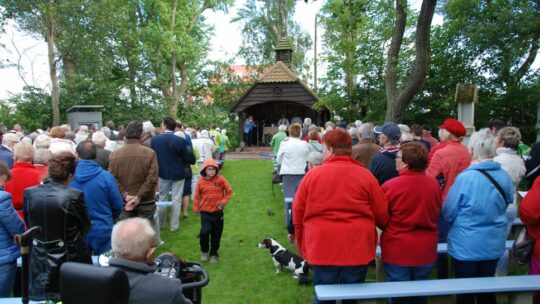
10	224
475	210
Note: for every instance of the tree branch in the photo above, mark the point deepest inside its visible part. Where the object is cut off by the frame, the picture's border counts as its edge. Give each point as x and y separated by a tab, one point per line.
533	51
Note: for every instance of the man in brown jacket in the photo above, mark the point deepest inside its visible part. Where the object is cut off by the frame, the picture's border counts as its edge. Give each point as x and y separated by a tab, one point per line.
366	147
135	169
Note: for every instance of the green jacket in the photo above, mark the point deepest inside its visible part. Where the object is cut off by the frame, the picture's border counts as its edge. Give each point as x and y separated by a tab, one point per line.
276	141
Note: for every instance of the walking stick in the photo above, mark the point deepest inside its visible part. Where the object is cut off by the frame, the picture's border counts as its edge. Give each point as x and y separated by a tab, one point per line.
23	240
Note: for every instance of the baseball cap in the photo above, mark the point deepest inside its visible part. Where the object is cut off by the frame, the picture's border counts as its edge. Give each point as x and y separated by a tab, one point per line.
389	129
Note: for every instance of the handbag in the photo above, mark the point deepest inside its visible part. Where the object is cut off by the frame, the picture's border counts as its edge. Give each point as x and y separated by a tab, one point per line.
276	177
523	247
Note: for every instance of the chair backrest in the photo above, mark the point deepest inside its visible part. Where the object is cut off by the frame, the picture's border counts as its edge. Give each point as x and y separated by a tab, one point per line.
83	283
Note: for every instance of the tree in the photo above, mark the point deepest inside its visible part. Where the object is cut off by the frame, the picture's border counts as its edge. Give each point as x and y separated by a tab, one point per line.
263	24
41	18
356	33
399	98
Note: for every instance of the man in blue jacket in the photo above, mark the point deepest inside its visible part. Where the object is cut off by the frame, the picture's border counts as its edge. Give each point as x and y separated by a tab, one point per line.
172	155
102	197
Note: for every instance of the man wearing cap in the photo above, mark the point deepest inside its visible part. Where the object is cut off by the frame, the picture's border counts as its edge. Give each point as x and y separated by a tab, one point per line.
383	165
6	149
445	165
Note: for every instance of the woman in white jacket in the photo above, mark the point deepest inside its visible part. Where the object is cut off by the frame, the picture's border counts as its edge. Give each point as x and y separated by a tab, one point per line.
508	139
292	156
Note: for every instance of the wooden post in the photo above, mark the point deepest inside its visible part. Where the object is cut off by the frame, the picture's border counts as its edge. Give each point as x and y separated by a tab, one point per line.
466	96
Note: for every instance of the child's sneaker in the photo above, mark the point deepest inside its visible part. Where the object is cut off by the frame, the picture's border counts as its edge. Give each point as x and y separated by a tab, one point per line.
204	257
213	259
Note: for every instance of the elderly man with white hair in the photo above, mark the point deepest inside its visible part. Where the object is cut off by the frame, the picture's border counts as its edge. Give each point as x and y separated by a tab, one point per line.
132	245
6	149
102	155
82	134
110	145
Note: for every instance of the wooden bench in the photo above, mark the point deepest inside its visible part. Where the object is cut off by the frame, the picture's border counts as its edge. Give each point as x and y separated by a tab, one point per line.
518	287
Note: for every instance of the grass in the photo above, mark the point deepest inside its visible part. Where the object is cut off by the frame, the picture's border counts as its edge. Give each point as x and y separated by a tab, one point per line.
245	273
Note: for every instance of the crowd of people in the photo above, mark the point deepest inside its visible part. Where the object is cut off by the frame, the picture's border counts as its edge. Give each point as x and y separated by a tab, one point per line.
353	187
415	191
82	186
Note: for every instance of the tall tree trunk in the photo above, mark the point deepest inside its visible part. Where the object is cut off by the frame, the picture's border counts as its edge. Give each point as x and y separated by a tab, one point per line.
398	100
55	95
349	75
173	106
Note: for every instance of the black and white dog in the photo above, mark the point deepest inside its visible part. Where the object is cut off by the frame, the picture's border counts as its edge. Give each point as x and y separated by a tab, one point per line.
284	258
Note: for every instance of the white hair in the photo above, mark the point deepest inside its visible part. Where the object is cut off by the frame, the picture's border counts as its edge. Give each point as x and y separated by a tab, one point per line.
358	123
147	126
307	122
131	238
444	134
26	140
224	132
282	128
83	129
106	131
482	144
66	128
10	138
99	138
42	141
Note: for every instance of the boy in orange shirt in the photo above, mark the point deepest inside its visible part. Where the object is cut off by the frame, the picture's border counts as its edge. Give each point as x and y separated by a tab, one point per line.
211	195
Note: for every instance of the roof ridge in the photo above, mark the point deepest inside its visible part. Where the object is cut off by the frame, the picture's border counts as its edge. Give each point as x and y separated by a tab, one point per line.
279	72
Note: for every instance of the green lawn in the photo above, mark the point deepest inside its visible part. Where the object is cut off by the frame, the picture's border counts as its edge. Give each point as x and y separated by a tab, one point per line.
244	274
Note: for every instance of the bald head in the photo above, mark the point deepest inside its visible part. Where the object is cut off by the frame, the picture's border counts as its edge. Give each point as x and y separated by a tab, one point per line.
132	239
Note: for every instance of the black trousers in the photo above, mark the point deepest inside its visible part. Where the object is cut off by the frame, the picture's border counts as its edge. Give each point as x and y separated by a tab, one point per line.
211	230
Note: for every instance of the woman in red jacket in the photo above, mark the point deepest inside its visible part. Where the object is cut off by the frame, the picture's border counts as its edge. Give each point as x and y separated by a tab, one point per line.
335	221
529	213
414	213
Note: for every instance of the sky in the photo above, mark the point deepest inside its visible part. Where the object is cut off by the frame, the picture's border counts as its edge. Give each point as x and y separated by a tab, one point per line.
31	53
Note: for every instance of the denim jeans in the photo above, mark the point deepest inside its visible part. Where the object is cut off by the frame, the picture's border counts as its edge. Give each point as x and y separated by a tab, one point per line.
475	269
7	278
338	275
177	188
442	258
396	273
502	264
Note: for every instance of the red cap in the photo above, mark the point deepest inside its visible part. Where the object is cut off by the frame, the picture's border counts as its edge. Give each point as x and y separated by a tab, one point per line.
454	126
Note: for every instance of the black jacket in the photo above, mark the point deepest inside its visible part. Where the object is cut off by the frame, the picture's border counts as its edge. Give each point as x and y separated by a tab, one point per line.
61	213
383	166
148	287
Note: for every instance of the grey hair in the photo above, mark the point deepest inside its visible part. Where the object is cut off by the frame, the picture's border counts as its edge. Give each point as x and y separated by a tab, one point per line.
42	156
307	122
510	137
282	128
358	123
131	238
366	131
482	144
99	138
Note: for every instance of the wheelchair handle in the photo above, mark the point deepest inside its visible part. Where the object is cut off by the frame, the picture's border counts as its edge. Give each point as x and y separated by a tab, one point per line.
201	283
